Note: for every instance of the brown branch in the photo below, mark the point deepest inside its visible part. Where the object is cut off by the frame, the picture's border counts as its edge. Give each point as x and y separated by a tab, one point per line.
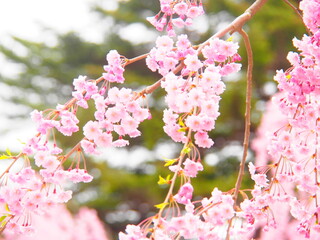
298	13
173	180
247	122
232	27
15	158
76	147
236	23
247	113
135	59
150	89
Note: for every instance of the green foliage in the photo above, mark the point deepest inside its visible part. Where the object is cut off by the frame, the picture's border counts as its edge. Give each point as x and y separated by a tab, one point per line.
48	71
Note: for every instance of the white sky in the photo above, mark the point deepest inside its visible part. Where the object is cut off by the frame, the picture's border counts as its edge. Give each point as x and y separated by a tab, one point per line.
25	19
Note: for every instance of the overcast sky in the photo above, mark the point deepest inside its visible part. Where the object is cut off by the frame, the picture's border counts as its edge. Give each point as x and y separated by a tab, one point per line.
26	19
23	18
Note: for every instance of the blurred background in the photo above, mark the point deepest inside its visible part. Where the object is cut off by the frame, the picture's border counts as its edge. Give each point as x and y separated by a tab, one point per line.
45	44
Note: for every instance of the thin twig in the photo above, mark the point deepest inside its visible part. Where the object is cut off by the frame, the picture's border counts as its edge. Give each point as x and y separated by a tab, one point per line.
173	180
247	122
135	59
298	13
232	27
150	89
236	23
247	113
15	158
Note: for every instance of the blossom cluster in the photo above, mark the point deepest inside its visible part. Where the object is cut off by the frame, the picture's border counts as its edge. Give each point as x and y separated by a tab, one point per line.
118	113
198	222
192	80
293	145
193	96
85	225
176	13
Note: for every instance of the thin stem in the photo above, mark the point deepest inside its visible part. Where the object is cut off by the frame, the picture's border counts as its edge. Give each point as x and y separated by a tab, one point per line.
150	89
298	13
237	23
247	113
135	59
247	122
173	180
15	158
75	148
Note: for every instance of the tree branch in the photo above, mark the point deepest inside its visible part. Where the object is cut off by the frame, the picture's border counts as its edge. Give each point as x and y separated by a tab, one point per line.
247	113
247	122
298	13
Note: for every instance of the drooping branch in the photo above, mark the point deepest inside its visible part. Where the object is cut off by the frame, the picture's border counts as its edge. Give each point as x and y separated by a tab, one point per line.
232	27
296	10
247	112
247	123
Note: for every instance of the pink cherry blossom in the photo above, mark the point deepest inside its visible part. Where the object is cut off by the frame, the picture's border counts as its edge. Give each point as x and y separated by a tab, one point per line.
191	168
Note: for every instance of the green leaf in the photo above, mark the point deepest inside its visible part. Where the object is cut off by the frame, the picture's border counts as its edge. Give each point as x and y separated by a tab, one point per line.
184	129
181	123
230	39
2	218
186	150
163	181
22	142
7	207
8	152
4	157
169	162
161	205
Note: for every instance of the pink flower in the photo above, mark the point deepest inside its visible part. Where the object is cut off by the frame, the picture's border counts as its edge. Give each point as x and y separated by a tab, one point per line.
113	57
40	157
202	139
194	122
141	114
79	83
185	194
184	103
192	63
178	22
51	163
64	196
194	12
114	114
114	95
120	143
181	8
260	180
88	146
91	130
191	168
103	140
164	42
129	124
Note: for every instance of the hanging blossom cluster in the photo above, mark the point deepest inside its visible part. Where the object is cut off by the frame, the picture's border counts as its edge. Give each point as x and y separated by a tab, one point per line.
85	225
176	13
118	115
204	221
193	96
294	147
192	80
